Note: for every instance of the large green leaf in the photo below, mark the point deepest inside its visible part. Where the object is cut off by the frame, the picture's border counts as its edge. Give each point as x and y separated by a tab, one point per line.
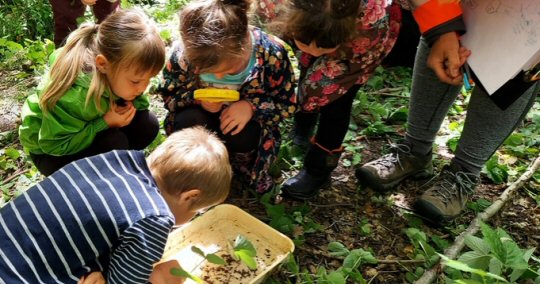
464	267
245	250
477	244
475	259
215	259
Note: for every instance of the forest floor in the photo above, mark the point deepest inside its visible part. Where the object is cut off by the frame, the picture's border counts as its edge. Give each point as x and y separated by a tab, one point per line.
343	212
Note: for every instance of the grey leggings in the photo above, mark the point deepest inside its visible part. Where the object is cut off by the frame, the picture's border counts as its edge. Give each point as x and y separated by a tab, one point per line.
486	126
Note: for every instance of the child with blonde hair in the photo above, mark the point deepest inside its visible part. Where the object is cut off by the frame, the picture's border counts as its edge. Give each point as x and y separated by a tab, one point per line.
91	100
108	217
219	51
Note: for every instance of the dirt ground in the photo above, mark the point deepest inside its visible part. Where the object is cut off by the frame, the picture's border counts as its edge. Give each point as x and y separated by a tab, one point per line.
343	207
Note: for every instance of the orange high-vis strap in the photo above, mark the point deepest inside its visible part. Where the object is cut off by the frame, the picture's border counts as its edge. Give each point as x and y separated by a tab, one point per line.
436	12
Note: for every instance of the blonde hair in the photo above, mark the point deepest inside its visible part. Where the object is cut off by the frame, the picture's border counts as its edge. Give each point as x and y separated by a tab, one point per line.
213	31
193	158
126	38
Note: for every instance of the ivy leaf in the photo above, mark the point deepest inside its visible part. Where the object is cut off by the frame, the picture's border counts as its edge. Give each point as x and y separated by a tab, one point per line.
245	251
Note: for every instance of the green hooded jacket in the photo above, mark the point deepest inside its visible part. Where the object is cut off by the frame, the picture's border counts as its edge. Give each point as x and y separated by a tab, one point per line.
71	125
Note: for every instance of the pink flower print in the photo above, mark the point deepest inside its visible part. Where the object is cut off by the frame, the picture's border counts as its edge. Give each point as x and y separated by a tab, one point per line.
316	76
362	79
360	45
332	69
375	10
305	59
330	89
268	144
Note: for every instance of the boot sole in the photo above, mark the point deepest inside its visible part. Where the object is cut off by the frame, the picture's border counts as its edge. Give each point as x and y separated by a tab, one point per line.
305	197
367	179
431	214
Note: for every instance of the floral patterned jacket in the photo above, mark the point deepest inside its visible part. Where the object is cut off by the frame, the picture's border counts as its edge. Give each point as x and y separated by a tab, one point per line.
326	78
270	88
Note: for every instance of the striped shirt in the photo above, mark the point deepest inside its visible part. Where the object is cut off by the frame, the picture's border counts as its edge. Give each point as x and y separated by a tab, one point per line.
102	213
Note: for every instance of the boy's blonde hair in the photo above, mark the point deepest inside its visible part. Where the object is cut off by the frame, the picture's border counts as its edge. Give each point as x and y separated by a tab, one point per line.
127	38
193	158
214	31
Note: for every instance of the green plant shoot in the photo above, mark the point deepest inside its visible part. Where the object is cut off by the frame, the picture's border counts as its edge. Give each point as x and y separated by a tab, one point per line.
244	250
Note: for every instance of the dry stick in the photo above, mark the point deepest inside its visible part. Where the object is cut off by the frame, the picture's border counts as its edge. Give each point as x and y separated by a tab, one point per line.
452	252
15	174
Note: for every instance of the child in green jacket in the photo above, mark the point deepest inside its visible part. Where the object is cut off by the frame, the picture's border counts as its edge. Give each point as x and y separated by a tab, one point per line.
90	101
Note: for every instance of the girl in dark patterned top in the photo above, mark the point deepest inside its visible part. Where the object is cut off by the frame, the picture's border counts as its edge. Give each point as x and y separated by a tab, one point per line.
340	44
219	50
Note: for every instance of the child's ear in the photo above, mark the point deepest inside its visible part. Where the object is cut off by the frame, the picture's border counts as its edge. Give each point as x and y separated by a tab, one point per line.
102	63
190	195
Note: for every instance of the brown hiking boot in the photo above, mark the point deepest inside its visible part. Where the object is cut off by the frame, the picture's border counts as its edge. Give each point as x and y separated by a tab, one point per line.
389	170
447	195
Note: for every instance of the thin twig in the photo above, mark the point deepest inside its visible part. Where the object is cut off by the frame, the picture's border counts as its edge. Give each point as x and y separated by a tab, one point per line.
15	174
452	252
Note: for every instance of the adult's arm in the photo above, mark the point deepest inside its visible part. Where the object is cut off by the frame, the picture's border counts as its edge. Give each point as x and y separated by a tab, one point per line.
441	24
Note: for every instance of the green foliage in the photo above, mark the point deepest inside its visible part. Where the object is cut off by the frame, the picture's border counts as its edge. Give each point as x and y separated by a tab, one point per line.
210	257
25	19
244	250
497	172
382	102
423	250
495	257
32	55
479	205
294	221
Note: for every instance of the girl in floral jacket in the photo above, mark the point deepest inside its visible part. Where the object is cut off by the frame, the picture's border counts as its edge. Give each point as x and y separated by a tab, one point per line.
220	50
340	44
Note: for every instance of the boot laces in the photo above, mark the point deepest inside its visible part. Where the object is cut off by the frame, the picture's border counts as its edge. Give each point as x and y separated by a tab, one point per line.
389	161
450	185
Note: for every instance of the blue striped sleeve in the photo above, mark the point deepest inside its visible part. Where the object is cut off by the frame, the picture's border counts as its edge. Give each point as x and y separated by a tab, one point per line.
141	245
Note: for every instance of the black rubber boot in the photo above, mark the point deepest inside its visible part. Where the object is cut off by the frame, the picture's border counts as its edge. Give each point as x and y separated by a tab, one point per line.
304	124
318	165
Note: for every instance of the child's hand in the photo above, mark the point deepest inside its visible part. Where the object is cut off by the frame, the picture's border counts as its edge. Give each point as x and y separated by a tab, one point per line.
162	274
118	117
211	106
95	277
89	2
127	106
235	117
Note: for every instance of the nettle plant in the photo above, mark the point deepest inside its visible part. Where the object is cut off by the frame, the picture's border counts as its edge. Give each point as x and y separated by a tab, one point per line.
495	258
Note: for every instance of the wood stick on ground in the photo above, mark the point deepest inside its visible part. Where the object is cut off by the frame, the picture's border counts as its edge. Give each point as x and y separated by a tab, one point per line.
453	251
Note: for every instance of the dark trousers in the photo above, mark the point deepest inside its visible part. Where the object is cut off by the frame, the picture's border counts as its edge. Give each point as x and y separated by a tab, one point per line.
66	12
137	135
245	141
333	120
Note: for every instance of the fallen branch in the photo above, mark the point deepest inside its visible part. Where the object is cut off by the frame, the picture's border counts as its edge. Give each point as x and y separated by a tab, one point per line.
452	252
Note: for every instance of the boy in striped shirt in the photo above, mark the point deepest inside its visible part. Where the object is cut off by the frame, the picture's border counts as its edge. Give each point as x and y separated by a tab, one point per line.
107	217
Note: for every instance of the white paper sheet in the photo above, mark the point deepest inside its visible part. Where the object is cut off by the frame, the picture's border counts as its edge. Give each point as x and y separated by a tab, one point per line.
504	37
